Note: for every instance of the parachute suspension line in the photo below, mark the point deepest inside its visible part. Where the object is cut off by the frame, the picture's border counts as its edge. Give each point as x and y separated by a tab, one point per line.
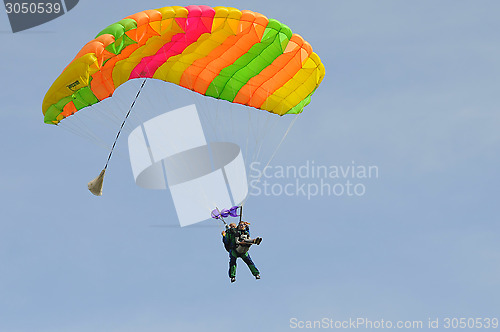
215	121
274	153
282	139
204	111
79	131
80	128
259	133
249	125
269	125
105	114
232	122
95	186
208	113
248	136
123	123
232	109
175	145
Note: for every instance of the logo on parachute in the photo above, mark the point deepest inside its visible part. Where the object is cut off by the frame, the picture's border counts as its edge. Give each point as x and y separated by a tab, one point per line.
171	150
73	85
26	14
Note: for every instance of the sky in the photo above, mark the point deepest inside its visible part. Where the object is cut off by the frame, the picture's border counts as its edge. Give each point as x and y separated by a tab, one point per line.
411	89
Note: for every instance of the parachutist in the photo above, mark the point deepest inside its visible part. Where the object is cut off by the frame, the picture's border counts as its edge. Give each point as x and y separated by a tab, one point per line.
237	242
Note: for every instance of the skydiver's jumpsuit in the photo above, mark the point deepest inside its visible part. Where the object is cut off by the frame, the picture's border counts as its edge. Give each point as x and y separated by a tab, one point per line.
237	248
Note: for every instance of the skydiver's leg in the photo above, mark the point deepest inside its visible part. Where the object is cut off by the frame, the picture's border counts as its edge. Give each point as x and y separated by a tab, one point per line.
248	260
232	264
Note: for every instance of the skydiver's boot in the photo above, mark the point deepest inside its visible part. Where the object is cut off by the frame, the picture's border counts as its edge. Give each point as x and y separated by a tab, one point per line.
233	279
257	276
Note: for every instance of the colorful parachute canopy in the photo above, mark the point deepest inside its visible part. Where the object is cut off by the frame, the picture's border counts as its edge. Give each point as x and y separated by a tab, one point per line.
240	56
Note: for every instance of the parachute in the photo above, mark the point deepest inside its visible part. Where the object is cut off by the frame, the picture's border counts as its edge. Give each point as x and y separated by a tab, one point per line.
239	56
242	57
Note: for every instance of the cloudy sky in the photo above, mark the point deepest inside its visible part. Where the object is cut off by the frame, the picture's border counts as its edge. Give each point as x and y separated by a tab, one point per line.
411	88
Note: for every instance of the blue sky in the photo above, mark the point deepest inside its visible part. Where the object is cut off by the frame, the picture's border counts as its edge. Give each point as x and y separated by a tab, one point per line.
411	87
